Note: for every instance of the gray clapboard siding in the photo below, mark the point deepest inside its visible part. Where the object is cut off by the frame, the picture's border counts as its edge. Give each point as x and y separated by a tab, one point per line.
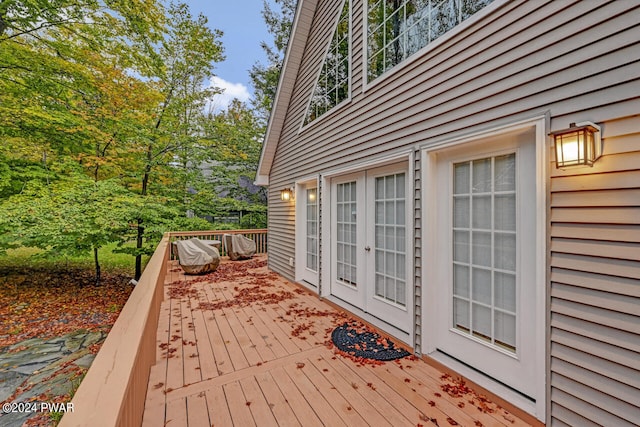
617	372
618	250
597	316
611	232
622	285
595	331
604	300
613	394
595	282
570	393
611	267
610	354
598	198
566	417
574	61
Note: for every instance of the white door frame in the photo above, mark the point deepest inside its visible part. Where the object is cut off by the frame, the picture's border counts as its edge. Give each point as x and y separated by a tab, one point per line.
429	200
302	273
404	155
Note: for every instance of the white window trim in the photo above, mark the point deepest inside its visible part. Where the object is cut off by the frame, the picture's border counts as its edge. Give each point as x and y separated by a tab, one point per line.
366	85
429	186
341	104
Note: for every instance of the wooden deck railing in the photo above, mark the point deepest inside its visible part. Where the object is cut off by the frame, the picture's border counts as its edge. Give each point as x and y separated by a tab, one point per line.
257	235
114	390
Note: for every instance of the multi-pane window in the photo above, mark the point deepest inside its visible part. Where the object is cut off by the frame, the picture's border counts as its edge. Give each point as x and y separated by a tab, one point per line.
396	29
390	240
485	250
332	86
346	238
312	229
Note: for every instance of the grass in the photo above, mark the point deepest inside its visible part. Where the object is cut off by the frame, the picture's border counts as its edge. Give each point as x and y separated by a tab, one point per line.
35	258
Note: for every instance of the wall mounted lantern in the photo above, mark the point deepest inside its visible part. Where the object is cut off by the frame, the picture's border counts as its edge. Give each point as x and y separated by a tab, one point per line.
286	195
580	144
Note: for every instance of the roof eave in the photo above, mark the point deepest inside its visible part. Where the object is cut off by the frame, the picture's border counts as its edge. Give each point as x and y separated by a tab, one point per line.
299	34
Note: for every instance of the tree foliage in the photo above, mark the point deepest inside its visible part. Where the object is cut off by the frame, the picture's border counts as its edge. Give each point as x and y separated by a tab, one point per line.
265	77
103	125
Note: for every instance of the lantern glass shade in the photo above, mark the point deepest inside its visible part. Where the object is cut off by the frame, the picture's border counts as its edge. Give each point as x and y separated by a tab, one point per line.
578	145
286	195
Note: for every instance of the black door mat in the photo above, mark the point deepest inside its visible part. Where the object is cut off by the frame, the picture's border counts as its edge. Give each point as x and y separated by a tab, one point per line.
355	340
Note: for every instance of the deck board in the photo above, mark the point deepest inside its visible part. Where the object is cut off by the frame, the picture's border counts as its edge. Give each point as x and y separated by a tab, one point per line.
276	400
262	359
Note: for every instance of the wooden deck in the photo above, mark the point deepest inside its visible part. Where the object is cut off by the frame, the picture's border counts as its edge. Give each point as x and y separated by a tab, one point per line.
245	347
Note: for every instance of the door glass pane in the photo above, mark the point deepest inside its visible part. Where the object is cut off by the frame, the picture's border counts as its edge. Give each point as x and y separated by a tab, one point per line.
505	212
345	233
481	321
461	314
461	246
481	279
481	248
504	291
505	330
505	173
312	229
505	251
461	212
481	171
461	178
461	280
481	212
390	238
485	249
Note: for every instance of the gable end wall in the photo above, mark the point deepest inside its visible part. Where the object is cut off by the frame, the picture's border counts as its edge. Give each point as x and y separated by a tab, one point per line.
571	60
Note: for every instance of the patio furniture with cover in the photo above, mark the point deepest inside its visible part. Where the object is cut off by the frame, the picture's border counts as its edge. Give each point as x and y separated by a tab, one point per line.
239	247
196	257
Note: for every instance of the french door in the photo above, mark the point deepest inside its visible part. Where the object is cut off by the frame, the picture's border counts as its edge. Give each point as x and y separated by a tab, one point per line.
308	242
370	244
485	268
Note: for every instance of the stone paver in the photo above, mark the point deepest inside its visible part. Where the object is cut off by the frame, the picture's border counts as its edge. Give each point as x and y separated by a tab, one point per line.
41	366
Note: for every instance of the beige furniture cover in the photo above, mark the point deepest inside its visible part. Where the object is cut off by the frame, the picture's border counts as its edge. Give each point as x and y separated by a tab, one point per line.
239	247
197	257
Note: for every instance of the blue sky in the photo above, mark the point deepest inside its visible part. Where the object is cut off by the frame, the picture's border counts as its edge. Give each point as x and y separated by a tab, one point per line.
243	27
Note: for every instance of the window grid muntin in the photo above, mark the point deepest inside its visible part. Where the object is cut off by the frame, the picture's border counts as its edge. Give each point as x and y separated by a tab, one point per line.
409	37
390	245
329	93
459	299
346	229
312	229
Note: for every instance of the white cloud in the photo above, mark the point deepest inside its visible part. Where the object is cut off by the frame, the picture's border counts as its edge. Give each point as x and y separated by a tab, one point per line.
230	92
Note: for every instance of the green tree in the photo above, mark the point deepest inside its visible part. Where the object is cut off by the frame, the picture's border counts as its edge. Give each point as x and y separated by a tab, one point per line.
188	53
70	216
265	77
233	139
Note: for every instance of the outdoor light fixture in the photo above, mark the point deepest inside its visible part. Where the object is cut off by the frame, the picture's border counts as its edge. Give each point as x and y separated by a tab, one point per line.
578	145
311	196
286	195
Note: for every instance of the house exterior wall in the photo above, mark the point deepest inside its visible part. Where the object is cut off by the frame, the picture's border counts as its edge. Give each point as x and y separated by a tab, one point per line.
595	285
569	60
